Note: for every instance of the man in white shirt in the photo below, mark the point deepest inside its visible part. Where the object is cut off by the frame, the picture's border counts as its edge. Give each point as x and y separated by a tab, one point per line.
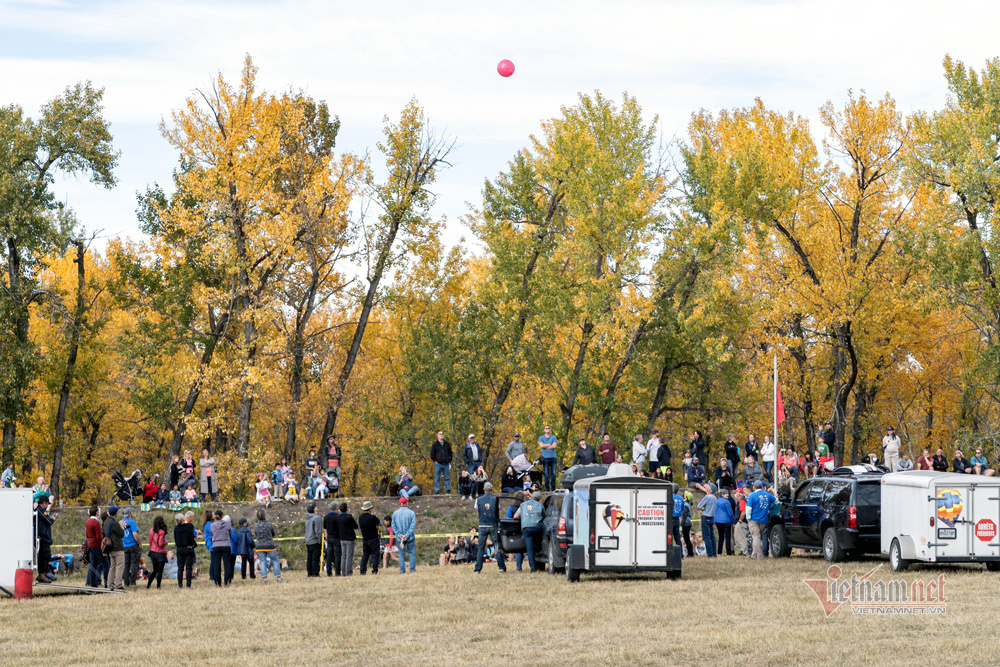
638	453
767	455
890	448
652	447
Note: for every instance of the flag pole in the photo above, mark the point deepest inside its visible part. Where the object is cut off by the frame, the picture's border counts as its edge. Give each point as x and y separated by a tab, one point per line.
775	413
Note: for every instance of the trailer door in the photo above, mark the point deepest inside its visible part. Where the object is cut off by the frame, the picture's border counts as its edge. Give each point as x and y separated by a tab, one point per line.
614	528
651	507
952	536
984	519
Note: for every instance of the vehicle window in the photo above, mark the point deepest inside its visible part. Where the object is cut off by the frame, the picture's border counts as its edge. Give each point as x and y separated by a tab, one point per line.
815	493
838	494
869	494
800	493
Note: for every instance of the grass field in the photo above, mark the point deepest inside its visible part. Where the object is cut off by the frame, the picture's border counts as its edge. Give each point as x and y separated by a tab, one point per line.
726	610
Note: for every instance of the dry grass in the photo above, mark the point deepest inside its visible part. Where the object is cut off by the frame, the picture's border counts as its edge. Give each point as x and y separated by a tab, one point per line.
727	610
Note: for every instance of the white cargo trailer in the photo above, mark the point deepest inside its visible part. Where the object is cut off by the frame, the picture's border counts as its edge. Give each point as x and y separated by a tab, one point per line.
622	523
940	517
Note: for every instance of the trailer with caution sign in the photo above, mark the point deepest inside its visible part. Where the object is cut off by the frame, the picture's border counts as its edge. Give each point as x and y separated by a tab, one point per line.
940	517
623	523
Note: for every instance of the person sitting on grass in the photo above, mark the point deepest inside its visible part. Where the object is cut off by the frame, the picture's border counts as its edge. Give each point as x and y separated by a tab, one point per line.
461	552
291	488
162	497
263	487
696	476
190	495
448	555
406	486
479	480
508	481
465	485
980	466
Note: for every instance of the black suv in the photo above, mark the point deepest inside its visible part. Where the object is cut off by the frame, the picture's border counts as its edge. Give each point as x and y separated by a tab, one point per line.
837	512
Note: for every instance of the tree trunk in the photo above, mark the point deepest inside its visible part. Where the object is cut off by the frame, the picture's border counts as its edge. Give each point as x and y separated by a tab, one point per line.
844	356
864	399
20	316
929	419
67	383
800	354
568	404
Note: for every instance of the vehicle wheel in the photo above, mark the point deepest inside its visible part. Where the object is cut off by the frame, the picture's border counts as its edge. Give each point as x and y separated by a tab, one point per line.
832	551
896	560
572	574
778	543
552	556
676	574
993	567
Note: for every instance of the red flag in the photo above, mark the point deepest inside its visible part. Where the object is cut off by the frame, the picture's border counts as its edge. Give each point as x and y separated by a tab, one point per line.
780	411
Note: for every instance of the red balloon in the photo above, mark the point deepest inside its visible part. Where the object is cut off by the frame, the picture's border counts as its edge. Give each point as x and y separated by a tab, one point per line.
505	68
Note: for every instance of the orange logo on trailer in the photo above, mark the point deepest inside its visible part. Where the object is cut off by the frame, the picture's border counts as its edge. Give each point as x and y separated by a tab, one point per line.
986	530
613	516
949	506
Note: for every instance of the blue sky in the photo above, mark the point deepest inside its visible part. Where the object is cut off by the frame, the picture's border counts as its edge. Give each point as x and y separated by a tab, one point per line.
366	59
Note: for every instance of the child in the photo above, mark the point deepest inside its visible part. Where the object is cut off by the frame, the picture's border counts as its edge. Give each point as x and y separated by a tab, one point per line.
278	481
162	496
263	490
291	488
190	496
321	488
388	539
526	486
175	499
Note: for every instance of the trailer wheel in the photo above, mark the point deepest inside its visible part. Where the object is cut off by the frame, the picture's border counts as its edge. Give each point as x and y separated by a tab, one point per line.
993	566
572	574
832	551
674	574
896	560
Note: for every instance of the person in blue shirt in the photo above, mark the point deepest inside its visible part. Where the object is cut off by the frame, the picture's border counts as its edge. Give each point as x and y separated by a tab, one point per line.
708	509
547	443
7	480
759	506
724	519
132	547
404	525
678	514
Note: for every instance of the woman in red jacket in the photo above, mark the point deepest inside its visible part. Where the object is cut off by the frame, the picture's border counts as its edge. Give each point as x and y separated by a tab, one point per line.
149	491
98	561
157	550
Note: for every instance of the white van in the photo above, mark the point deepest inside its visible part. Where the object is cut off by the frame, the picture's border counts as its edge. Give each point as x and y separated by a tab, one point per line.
622	523
940	517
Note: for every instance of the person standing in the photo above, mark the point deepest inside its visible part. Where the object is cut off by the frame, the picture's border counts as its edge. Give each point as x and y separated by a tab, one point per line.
7	480
331	531
752	447
133	547
441	455
678	514
114	530
607	451
698	446
404	527
585	455
531	513
547	444
638	454
768	453
369	524
663	456
98	563
184	540
708	509
489	519
222	535
245	546
157	550
759	506
732	453
724	517
472	455
829	439
515	448
652	451
890	448
209	486
263	533
346	525
314	538
43	533
331	456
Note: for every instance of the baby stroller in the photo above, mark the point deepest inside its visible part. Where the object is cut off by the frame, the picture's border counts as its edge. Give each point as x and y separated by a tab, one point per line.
127	489
523	467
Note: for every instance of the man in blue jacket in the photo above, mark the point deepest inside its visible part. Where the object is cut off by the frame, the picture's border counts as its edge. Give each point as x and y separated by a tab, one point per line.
472	455
404	525
489	520
759	506
678	514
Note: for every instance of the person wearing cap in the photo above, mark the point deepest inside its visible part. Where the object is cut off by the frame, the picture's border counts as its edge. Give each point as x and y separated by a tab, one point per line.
759	506
43	534
132	544
531	514
404	526
890	448
547	445
331	531
346	525
515	448
441	455
472	455
707	507
489	519
114	530
314	538
369	524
